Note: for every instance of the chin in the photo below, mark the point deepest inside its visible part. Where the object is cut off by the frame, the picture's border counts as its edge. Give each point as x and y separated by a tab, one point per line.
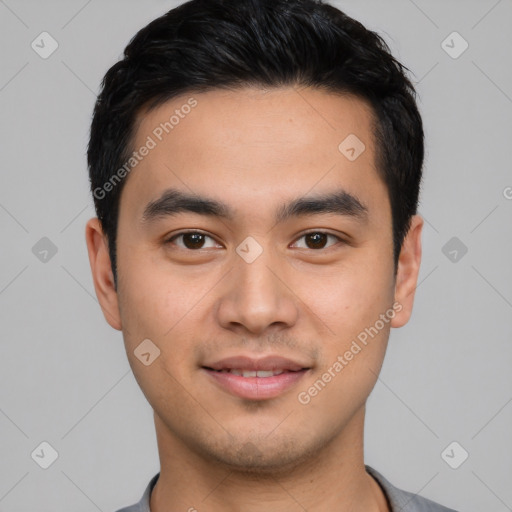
261	457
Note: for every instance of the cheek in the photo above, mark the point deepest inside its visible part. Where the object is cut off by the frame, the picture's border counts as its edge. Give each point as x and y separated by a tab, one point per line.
156	307
350	300
351	304
152	299
350	364
164	307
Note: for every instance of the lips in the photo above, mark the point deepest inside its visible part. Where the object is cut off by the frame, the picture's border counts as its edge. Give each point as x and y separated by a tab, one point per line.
253	373
244	363
255	379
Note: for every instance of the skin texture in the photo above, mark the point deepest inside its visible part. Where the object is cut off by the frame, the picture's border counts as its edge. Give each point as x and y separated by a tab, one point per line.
256	150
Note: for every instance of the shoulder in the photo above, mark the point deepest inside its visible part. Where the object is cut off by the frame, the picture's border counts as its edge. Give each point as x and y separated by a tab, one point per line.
143	504
403	501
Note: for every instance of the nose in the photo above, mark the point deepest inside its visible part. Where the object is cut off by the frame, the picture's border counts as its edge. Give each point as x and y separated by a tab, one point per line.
256	298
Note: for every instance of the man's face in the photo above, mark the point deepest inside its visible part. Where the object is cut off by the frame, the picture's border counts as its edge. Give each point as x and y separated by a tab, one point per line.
251	279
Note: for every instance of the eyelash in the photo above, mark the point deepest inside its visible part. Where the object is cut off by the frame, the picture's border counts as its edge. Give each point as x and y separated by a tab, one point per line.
338	239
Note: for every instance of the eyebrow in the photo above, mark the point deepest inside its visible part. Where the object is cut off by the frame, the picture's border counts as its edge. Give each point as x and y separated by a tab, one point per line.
173	202
339	202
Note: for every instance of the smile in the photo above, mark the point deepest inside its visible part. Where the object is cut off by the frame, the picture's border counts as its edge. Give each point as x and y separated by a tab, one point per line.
255	384
251	373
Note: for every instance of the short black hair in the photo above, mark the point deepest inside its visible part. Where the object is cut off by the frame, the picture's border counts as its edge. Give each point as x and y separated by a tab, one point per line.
203	45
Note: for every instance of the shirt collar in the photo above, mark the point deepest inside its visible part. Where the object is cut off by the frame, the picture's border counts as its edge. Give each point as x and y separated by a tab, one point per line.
398	500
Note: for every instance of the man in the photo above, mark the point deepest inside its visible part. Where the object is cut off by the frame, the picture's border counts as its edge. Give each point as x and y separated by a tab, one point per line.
256	166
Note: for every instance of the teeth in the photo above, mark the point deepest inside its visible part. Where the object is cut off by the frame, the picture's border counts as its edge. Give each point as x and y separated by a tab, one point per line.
251	373
264	373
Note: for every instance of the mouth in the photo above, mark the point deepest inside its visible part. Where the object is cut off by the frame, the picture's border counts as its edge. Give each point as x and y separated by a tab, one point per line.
251	373
256	379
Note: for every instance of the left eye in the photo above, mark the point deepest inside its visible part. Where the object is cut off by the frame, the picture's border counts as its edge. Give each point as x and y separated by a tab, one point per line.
193	240
317	240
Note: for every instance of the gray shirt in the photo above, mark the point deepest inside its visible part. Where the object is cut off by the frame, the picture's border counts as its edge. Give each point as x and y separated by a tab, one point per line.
399	501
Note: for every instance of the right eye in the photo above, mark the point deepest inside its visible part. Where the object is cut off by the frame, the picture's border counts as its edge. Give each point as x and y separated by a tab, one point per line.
191	240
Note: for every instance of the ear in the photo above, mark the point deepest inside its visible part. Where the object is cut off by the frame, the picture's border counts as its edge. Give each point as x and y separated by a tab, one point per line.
407	272
101	268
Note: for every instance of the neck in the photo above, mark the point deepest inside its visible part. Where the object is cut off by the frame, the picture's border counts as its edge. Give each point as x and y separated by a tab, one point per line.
334	479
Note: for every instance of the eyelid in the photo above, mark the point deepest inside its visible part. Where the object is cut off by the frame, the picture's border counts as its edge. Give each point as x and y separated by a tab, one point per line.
323	232
170	239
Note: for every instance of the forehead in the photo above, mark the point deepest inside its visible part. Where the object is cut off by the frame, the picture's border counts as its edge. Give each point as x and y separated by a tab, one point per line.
290	116
253	144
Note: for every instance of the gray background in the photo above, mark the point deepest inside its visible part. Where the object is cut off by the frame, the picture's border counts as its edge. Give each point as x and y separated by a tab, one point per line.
64	375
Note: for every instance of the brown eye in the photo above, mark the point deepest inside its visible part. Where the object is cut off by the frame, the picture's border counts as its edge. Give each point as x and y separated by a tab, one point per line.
317	240
192	240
